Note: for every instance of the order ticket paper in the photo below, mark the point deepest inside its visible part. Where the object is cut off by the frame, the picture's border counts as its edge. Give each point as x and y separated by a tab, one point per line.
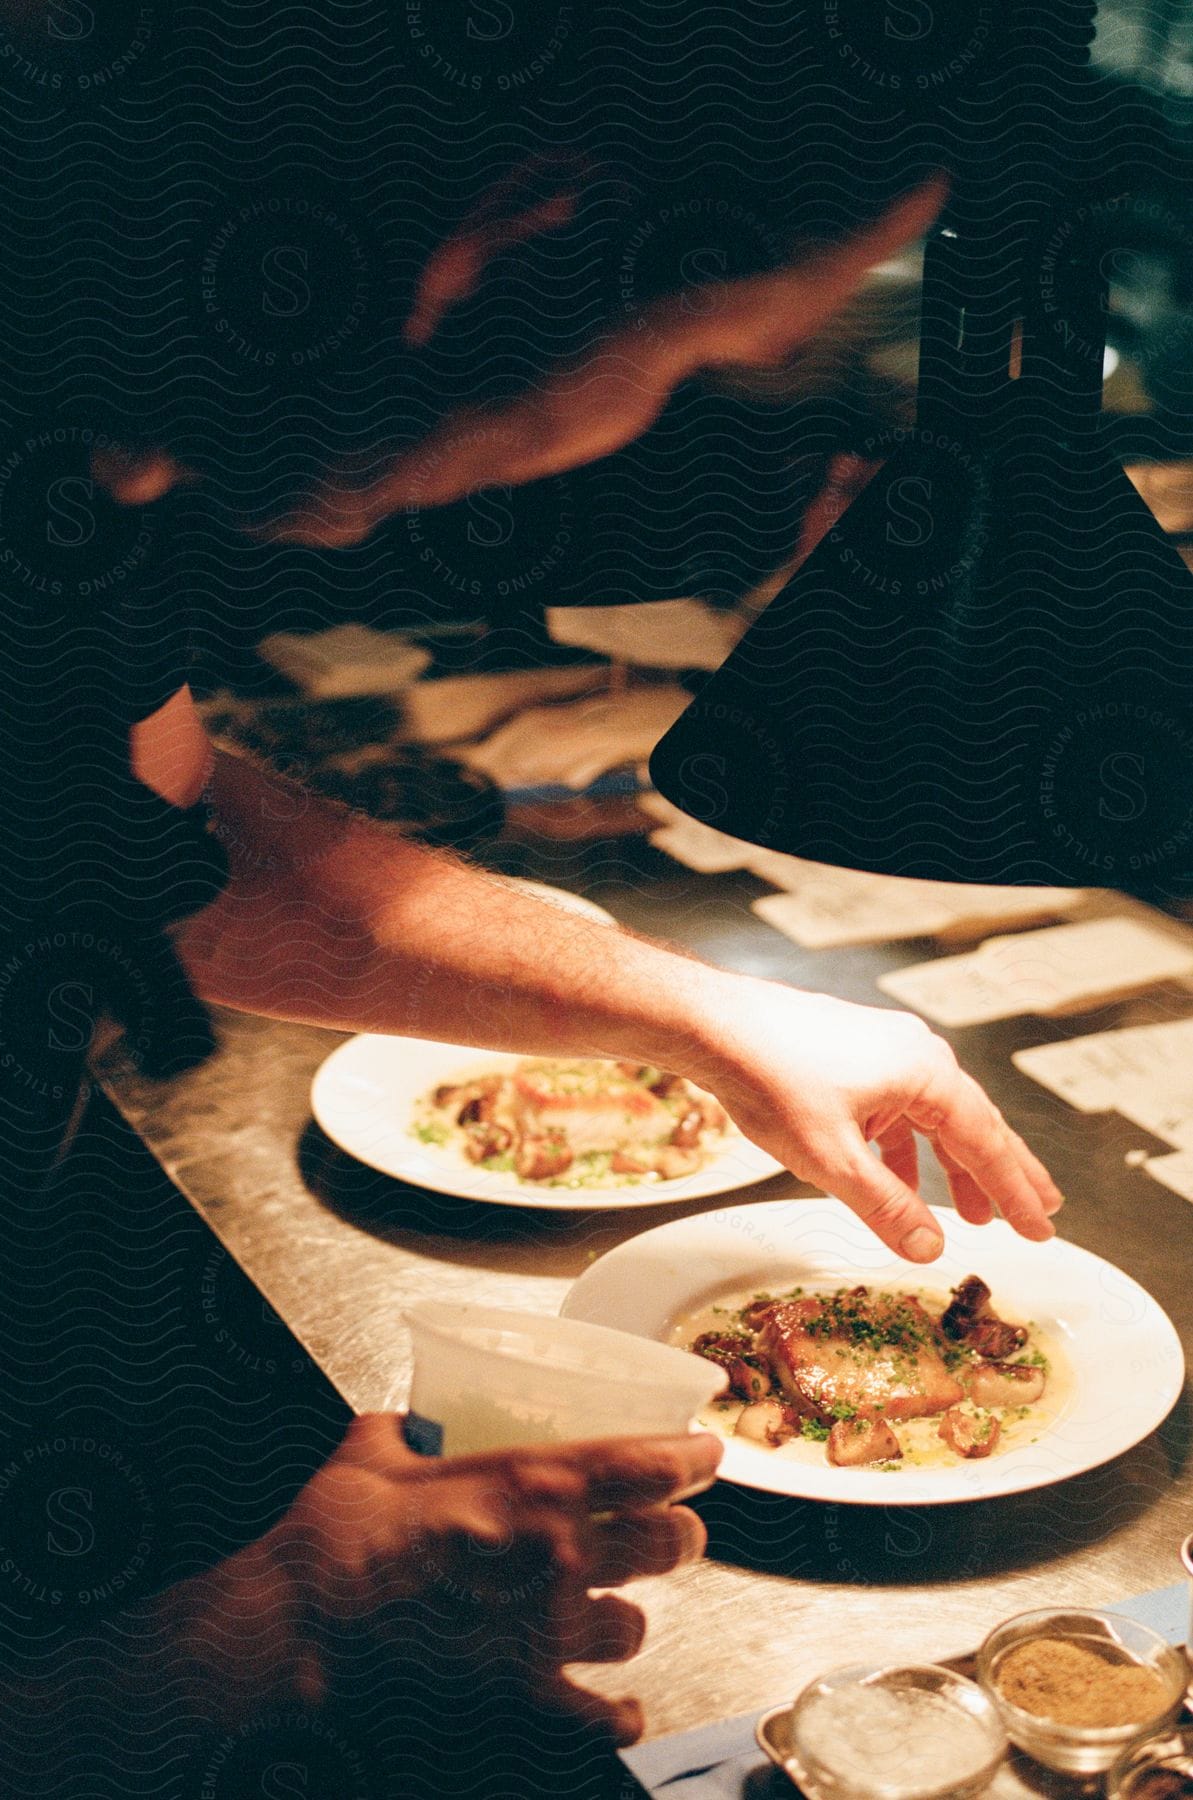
821	907
697	846
1065	968
1144	1072
1175	1171
826	912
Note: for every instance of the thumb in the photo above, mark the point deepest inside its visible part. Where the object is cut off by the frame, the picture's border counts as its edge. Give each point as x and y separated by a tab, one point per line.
376	1441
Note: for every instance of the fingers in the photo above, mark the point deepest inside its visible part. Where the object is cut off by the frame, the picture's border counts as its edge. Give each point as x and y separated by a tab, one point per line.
974	1135
568	1625
972	1204
986	1164
454	269
501	1547
837	271
898	1148
1052	1197
538	194
878	1195
498	1517
626	1473
608	1474
621	1719
600	1628
647	1542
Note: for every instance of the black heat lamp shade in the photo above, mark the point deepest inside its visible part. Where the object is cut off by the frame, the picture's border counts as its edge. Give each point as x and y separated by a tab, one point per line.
1016	706
985	671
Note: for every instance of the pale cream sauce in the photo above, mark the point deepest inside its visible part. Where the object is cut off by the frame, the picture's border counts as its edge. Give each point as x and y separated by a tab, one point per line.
922	1445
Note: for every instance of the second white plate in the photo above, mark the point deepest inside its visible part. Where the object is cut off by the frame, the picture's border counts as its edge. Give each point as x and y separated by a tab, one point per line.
365	1095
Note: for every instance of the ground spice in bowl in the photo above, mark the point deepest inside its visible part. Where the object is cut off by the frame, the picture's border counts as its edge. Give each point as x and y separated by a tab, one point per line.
1057	1679
1162	1784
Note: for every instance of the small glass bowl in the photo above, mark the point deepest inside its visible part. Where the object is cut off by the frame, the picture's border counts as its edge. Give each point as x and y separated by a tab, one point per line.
1082	1749
822	1778
1166	1750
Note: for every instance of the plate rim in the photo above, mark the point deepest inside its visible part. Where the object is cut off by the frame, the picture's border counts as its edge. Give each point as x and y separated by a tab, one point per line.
568	1200
1028	1483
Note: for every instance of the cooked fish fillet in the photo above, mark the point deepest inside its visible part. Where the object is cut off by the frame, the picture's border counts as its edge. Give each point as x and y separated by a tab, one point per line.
593	1113
879	1355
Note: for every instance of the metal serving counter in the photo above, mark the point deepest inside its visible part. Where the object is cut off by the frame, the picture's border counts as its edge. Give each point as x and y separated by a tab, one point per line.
788	1586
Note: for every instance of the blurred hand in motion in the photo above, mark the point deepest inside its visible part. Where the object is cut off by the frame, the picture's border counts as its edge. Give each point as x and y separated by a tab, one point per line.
584	409
816	1080
614	392
481	1564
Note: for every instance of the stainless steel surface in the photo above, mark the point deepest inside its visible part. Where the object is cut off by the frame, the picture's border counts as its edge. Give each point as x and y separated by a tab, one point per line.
789	1587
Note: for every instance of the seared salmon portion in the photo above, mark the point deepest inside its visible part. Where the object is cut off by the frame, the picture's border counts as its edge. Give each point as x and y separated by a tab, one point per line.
850	1352
589	1121
593	1107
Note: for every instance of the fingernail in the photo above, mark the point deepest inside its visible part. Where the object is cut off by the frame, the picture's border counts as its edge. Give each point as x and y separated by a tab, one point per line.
922	1245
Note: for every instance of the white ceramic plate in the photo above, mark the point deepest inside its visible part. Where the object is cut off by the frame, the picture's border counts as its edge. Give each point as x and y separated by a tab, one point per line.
562	897
365	1094
1123	1352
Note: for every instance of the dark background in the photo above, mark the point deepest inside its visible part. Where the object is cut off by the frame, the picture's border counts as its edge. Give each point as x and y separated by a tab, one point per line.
215	217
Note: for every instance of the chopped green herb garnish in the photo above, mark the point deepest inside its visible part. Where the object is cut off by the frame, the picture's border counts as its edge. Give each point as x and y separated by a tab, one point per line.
432	1134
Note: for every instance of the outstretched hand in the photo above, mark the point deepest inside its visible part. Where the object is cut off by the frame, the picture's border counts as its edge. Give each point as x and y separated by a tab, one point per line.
815	1081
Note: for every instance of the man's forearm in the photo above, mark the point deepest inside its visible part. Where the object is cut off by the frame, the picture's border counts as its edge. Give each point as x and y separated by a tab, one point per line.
335	921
